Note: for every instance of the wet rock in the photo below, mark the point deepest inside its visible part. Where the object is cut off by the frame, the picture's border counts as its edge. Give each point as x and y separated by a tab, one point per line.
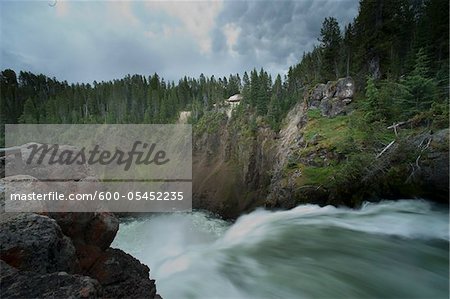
24	284
32	242
74	225
38	256
121	275
91	233
38	251
102	230
432	167
87	256
98	229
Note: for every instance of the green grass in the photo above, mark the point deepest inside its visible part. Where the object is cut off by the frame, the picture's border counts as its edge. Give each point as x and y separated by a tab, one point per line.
348	140
314	114
331	130
318	175
344	133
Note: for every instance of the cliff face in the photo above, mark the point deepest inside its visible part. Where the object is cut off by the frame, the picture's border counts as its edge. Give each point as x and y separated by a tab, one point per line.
324	154
231	168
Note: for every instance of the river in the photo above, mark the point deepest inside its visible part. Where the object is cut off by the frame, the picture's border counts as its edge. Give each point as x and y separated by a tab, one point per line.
391	249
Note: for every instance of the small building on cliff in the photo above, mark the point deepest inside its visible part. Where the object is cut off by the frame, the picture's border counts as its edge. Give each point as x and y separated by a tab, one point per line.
231	103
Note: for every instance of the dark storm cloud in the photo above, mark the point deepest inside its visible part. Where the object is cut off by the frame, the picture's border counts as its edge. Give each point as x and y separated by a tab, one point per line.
278	32
80	43
86	41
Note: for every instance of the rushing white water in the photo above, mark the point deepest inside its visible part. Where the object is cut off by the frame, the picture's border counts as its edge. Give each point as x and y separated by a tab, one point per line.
392	249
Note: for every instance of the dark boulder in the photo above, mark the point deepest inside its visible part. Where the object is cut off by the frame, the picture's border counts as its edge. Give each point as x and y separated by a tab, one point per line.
431	170
32	242
98	229
121	275
24	284
91	233
44	255
102	230
74	225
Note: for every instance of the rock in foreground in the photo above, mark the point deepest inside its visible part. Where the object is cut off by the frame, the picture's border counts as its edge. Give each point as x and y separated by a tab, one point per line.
38	260
64	255
35	243
121	275
24	284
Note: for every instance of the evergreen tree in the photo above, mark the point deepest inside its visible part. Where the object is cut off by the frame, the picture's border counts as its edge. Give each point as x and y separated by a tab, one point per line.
330	38
372	103
421	88
30	113
262	99
233	86
246	87
348	42
254	88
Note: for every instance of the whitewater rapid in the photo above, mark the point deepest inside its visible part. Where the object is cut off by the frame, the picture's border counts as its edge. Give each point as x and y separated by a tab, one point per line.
391	249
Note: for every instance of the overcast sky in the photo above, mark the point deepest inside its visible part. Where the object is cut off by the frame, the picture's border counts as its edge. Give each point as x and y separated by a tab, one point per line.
85	41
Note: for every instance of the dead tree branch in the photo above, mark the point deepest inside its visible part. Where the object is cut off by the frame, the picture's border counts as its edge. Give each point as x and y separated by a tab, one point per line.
385	149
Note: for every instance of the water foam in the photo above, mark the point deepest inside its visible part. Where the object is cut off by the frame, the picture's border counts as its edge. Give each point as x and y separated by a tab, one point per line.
289	254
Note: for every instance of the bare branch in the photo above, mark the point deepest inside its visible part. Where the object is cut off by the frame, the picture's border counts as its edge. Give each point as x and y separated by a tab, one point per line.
385	149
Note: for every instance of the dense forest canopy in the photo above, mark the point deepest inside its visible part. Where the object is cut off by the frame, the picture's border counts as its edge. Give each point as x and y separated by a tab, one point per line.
397	52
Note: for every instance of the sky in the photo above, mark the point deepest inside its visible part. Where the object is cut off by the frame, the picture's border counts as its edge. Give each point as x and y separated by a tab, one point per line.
83	41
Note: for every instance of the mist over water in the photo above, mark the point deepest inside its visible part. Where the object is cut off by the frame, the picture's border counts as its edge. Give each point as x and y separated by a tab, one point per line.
392	249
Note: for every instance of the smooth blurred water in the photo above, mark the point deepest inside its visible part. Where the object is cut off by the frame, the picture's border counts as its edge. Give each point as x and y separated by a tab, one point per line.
392	249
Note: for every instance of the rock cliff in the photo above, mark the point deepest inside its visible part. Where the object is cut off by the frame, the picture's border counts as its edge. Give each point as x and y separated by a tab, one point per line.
231	167
323	154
